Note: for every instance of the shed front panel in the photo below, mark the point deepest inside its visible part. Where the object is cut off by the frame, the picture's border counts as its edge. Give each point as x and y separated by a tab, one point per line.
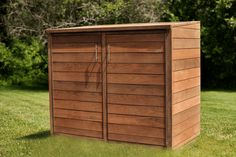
76	83
136	87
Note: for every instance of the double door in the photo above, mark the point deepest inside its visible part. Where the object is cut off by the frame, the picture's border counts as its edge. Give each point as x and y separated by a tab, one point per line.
109	85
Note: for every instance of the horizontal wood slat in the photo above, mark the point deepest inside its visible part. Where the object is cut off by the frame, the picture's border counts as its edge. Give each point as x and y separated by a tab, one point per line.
136	139
195	26
185	84
135	37
185	115
142	47
81	96
185	94
136	58
75	76
179	32
78	67
179	128
136	79
78	124
150	111
185	43
75	47
185	74
136	89
136	120
136	130
75	38
136	68
185	64
82	115
185	53
78	132
77	86
78	105
184	105
76	57
187	134
135	99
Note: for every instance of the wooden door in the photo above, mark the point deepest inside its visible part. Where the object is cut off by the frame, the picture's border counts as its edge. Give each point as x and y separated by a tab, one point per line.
76	84
135	87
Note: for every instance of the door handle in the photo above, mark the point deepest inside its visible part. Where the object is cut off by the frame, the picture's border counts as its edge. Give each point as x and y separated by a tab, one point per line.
96	52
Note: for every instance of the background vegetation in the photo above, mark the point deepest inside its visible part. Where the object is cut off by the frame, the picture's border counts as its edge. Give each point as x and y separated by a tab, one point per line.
23	44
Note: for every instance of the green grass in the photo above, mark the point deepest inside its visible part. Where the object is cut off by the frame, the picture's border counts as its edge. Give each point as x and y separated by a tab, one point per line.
24	130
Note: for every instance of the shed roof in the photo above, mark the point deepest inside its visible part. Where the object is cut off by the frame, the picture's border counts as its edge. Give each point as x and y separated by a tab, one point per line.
118	27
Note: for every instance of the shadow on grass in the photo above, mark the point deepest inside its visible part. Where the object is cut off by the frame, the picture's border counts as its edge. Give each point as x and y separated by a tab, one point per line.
36	136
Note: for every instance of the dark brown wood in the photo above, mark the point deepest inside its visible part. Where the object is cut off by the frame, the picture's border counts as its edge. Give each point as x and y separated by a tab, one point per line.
76	57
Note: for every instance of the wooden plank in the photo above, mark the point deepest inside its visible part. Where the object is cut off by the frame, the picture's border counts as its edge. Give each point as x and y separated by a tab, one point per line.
137	47
184	115
136	79
179	32
185	74
135	37
76	57
186	64
157	90
136	68
190	26
75	76
187	134
136	120
185	94
75	38
135	99
92	67
81	115
50	85
150	111
78	105
185	84
81	96
180	127
136	139
136	58
68	47
79	132
185	43
77	86
104	85
168	88
78	124
184	105
185	53
136	130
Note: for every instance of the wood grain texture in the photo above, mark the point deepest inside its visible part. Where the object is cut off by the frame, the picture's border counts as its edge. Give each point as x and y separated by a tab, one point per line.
136	79
179	32
78	124
136	120
69	47
136	68
81	96
63	38
185	74
184	105
157	90
76	57
135	99
136	139
81	115
186	64
185	94
77	86
78	105
92	67
75	76
136	130
185	53
185	43
78	132
185	84
149	111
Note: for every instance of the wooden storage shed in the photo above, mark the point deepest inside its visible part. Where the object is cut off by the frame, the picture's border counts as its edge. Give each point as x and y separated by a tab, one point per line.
138	83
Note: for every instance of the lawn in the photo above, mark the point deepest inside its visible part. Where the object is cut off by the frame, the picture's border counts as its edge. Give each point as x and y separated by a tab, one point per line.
24	130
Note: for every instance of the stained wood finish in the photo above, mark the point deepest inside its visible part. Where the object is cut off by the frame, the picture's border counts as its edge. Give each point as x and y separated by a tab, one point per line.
134	83
136	79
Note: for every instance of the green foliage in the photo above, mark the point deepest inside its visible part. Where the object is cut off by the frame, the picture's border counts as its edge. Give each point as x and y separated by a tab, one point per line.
22	61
